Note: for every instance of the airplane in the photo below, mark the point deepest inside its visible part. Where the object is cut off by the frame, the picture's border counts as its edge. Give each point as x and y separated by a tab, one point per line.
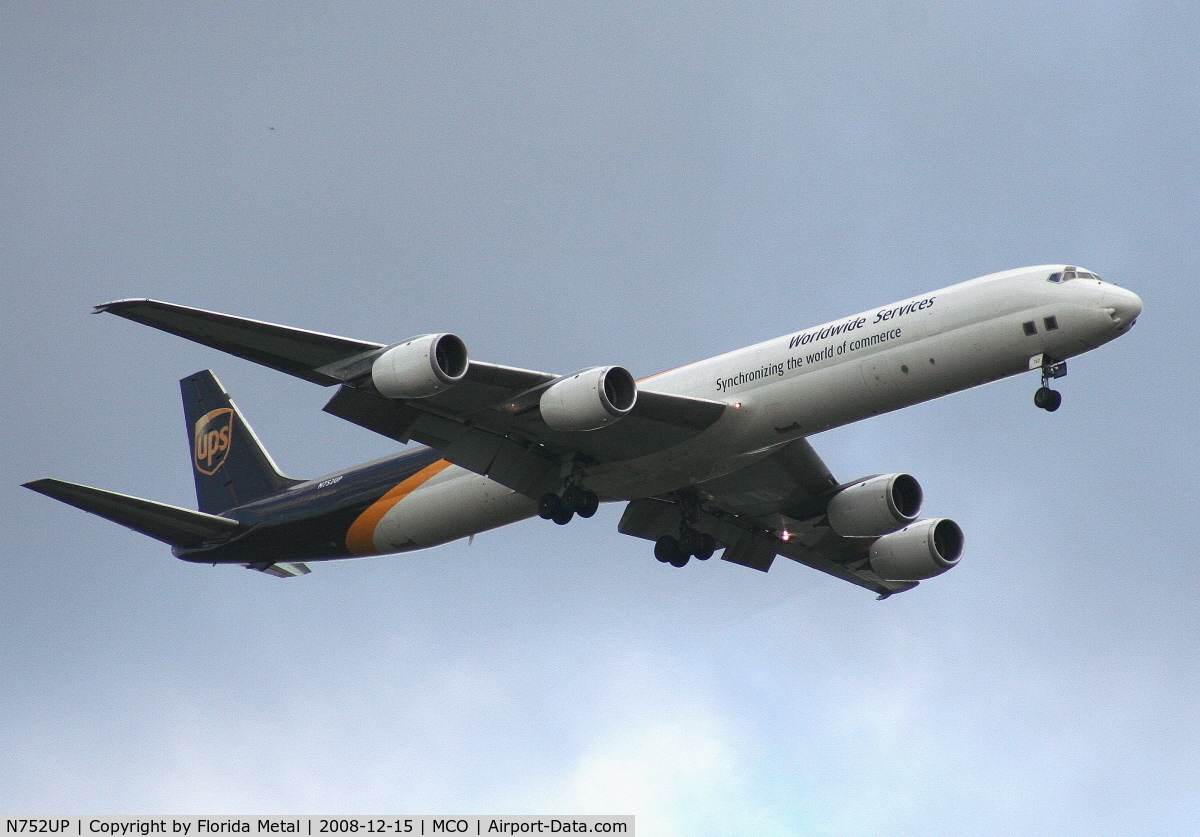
710	456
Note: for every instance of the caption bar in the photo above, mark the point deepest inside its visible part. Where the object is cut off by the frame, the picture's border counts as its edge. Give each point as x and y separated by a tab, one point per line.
307	826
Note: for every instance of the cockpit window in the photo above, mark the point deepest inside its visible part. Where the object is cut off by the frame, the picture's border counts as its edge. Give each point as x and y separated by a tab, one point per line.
1069	273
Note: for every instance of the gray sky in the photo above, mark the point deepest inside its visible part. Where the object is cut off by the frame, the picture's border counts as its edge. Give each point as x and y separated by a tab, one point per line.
567	185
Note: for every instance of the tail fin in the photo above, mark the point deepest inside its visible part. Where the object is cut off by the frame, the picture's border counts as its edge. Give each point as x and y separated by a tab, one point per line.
230	465
182	528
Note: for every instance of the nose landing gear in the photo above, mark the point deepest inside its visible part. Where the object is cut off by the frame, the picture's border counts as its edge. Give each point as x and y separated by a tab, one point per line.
1046	398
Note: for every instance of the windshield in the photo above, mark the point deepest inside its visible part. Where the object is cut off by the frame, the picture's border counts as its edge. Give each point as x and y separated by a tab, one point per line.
1069	273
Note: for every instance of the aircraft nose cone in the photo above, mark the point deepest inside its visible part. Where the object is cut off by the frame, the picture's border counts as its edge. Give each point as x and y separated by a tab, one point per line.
1125	305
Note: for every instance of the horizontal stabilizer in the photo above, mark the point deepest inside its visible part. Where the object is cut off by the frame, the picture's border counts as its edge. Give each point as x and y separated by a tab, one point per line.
295	351
170	524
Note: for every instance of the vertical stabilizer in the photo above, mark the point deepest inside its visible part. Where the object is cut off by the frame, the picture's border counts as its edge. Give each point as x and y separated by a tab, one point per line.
230	465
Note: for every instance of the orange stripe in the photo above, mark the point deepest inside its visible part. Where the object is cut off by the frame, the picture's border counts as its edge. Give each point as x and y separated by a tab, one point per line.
360	537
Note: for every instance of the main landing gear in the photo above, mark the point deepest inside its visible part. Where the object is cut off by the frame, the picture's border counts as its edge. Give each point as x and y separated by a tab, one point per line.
1046	398
574	501
689	544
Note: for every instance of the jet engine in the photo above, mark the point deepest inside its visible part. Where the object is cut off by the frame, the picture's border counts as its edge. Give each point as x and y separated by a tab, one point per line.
590	399
875	506
421	367
920	550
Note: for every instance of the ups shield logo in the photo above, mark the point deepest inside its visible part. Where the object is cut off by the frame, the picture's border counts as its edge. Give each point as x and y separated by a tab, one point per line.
213	434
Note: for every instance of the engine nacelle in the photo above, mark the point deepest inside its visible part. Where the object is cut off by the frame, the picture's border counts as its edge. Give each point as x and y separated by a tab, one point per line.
421	367
875	506
589	400
920	550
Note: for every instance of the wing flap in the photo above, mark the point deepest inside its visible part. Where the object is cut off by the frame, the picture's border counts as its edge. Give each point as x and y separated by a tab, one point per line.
751	546
287	569
521	467
466	437
819	559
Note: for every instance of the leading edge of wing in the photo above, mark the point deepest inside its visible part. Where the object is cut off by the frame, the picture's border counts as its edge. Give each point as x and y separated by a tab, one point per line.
295	351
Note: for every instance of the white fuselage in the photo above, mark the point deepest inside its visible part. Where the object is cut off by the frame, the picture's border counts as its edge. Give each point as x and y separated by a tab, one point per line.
810	381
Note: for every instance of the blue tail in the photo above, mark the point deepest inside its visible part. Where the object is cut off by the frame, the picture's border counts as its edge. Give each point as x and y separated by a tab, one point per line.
230	465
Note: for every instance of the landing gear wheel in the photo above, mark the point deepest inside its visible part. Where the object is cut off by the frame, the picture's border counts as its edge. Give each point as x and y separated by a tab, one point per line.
550	506
666	549
1048	399
563	517
591	502
707	548
691	542
573	498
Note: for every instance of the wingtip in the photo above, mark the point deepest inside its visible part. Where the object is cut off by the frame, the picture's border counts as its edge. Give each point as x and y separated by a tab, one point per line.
50	487
120	303
54	489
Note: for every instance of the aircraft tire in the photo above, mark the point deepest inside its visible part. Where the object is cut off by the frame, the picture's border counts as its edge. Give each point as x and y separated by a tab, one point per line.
666	549
1048	399
549	506
707	549
573	498
591	502
563	517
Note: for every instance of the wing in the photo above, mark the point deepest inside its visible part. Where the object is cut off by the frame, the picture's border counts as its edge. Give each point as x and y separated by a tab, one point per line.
487	422
748	510
291	350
